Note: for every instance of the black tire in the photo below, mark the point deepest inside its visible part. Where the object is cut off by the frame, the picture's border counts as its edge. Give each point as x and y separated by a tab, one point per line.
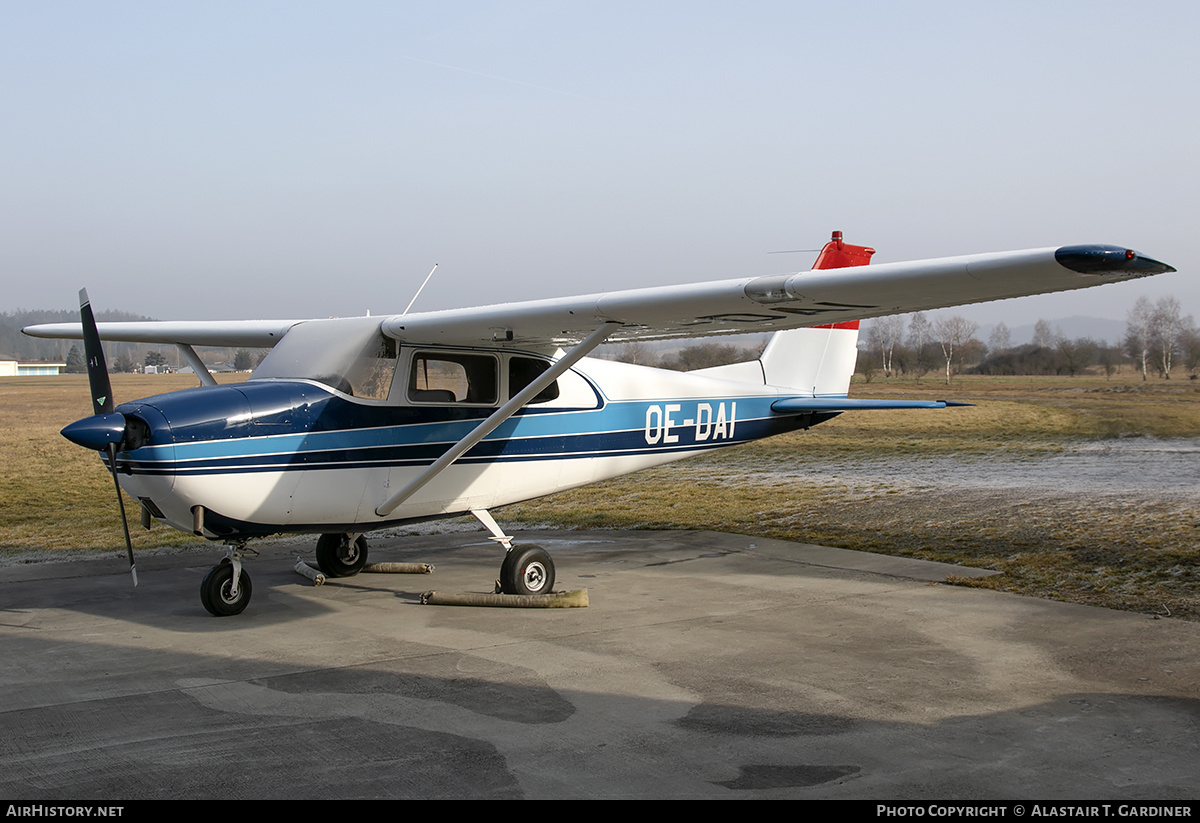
214	591
506	567
527	570
338	557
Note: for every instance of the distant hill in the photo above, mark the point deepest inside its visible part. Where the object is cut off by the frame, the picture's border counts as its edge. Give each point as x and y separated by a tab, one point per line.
17	346
1100	329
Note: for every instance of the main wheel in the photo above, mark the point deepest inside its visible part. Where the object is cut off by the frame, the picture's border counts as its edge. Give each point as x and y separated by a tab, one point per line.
527	570
339	557
216	590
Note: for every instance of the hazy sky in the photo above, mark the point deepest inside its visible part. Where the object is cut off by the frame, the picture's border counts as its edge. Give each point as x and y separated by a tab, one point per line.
292	159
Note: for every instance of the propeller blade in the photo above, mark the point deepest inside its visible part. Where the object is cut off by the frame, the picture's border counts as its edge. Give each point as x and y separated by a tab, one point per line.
105	429
112	467
102	402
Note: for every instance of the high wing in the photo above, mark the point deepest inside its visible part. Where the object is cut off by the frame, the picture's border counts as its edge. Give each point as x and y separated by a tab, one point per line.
255	334
786	301
738	306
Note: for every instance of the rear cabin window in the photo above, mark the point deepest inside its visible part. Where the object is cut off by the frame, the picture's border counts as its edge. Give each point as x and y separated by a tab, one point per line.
439	377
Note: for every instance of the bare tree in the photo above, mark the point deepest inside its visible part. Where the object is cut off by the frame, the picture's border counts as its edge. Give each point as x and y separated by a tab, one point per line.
1043	335
920	335
1167	329
952	333
1000	340
1138	327
1076	354
707	354
894	336
1190	348
1110	357
638	353
883	335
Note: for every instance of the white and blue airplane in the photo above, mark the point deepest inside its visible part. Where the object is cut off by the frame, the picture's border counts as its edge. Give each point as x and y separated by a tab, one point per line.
355	424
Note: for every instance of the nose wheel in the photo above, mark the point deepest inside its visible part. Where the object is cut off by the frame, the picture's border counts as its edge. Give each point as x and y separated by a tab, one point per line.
219	594
527	570
226	589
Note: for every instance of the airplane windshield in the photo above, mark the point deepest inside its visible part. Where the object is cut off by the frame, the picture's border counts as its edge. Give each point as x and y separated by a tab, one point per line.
348	354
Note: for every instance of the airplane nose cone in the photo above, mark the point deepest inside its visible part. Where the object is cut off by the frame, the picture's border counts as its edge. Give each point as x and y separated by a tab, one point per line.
97	431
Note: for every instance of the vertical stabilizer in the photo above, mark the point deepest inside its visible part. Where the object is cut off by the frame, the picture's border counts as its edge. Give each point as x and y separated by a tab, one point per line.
820	359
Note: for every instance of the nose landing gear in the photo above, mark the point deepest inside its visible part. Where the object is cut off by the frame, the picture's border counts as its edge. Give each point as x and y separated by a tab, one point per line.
226	589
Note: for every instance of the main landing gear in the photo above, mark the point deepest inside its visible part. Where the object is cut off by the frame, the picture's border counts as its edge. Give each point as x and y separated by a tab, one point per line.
526	569
341	555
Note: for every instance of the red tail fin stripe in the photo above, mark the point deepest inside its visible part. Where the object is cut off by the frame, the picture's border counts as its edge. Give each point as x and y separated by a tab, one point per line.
841	255
838	254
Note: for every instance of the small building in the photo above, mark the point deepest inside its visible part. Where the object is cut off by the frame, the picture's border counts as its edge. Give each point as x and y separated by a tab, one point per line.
11	368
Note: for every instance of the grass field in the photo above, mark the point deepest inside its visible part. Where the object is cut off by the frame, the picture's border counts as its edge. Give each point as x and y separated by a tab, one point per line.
55	495
1136	550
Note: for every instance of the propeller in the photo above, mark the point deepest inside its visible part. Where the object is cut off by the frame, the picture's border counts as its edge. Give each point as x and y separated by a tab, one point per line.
105	429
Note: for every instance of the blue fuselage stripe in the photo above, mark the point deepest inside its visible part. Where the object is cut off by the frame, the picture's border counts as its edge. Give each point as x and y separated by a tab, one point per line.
320	431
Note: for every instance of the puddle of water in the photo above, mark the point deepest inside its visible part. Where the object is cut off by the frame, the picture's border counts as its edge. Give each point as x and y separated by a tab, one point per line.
1137	466
1141	464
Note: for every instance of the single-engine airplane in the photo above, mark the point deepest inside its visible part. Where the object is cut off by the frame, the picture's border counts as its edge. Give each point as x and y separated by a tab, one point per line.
355	424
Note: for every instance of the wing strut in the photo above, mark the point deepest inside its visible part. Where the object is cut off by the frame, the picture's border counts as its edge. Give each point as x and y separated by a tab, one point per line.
499	416
202	372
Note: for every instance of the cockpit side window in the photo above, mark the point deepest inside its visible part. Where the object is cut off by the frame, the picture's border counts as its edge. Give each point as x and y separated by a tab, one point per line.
452	377
524	370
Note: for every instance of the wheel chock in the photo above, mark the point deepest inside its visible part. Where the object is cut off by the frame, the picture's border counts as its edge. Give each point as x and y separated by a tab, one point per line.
558	600
398	568
314	573
305	570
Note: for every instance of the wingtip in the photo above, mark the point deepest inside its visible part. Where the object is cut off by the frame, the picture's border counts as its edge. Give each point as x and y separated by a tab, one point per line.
1104	259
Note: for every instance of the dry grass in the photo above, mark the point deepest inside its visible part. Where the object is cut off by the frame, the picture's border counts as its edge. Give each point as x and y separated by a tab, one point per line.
53	494
1134	550
1130	551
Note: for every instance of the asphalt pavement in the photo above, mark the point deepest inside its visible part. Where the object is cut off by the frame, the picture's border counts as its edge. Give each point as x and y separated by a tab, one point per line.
705	666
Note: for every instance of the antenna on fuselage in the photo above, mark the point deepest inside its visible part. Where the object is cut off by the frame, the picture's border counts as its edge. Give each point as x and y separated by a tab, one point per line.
418	294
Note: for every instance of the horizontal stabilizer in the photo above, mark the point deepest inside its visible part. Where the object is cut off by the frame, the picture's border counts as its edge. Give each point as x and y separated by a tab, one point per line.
799	405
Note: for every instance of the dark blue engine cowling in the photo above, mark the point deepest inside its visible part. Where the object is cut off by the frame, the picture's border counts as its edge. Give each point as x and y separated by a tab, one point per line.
226	412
